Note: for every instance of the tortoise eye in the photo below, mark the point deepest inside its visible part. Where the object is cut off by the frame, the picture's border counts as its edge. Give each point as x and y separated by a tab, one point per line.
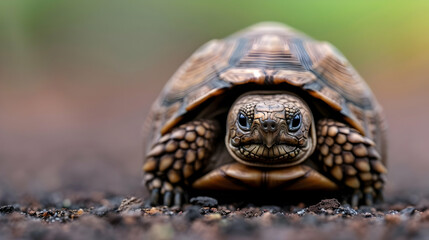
243	121
295	124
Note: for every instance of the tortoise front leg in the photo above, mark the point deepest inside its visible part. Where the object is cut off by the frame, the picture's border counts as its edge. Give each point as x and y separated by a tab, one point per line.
351	159
177	157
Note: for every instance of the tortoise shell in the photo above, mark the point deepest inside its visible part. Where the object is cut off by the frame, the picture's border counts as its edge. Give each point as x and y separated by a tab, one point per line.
267	54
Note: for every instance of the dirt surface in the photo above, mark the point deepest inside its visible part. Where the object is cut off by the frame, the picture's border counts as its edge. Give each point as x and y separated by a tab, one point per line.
98	216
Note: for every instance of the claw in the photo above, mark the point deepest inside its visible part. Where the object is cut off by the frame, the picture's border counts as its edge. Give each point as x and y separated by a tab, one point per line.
368	199
378	196
154	197
178	199
168	198
354	202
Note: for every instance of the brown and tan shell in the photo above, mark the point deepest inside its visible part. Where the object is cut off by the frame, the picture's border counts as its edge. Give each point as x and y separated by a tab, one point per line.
267	54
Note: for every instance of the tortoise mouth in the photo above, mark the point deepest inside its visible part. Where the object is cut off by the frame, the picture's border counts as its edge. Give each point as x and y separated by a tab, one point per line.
275	153
278	155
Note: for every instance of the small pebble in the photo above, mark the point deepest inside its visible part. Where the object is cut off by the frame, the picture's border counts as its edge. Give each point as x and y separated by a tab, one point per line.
80	212
204	201
213	216
409	211
7	209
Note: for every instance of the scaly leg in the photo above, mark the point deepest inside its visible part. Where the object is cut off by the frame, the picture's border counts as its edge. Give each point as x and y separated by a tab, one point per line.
352	160
177	157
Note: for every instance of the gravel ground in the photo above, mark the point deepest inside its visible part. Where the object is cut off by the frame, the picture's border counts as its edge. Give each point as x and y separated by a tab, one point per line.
113	217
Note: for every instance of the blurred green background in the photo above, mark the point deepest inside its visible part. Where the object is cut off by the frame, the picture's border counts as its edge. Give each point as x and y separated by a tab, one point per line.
77	79
132	37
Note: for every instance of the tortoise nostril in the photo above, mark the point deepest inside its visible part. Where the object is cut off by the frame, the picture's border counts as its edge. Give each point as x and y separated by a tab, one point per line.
269	125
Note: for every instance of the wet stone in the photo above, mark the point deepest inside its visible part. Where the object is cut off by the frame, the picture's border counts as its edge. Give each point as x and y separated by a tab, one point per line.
392	212
300	212
100	211
346	211
7	209
204	201
409	211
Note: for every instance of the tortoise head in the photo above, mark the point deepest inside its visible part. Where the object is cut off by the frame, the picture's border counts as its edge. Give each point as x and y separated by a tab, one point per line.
270	130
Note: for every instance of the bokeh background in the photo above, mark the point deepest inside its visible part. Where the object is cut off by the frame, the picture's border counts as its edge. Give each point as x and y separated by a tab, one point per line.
77	79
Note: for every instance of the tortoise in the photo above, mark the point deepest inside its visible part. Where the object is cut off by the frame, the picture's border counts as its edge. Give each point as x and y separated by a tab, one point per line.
294	115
